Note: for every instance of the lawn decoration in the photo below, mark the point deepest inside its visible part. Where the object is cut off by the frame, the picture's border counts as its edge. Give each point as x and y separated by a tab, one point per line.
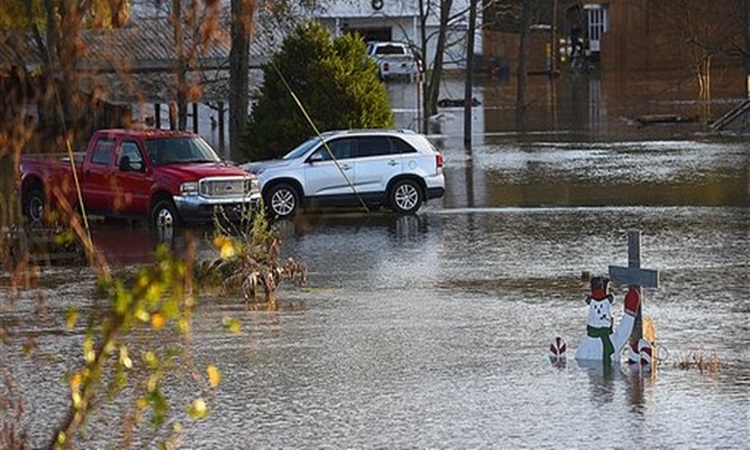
557	349
602	342
640	352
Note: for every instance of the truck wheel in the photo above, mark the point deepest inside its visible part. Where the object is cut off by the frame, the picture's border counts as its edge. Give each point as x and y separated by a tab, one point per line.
405	197
33	207
281	201
164	215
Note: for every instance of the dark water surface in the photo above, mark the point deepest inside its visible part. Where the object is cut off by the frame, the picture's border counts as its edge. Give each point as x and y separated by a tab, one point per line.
432	331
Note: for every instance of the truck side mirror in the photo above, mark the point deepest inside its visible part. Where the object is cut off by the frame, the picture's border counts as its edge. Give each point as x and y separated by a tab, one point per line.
125	164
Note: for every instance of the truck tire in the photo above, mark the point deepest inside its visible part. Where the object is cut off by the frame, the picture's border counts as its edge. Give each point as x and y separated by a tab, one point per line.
281	201
34	203
405	197
164	215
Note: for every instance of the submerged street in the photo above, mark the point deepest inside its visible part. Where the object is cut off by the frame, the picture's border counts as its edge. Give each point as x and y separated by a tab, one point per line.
433	330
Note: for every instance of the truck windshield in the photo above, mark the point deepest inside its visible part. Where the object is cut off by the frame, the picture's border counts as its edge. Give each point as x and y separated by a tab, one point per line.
179	150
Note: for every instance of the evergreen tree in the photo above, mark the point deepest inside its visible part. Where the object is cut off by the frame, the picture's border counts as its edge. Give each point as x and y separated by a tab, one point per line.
334	80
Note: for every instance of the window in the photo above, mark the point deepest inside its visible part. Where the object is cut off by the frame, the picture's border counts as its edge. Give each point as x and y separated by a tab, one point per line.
373	146
130	149
187	149
102	153
341	149
400	147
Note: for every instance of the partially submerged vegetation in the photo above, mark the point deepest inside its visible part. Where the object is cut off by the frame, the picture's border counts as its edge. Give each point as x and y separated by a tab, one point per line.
699	360
159	299
249	262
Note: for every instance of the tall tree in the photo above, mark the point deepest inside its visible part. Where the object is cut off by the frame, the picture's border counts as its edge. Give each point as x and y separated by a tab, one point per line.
242	13
432	84
333	80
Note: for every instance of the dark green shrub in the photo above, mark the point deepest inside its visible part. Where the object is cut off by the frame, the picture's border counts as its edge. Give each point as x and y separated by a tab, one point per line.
333	79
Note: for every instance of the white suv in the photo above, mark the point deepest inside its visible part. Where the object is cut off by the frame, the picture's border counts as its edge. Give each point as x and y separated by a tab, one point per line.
400	169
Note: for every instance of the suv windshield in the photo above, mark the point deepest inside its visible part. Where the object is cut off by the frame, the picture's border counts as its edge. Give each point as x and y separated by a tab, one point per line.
179	150
301	149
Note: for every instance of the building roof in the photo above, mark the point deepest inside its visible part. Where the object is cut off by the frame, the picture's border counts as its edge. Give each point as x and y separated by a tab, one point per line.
136	63
144	45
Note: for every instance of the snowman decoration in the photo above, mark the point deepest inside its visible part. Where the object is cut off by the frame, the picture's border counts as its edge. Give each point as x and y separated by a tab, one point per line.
602	342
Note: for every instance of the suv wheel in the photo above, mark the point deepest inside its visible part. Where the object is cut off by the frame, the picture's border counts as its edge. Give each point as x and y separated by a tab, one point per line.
405	197
282	201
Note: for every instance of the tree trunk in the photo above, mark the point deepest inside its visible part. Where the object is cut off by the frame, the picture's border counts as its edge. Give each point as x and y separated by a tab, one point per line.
469	72
67	43
527	16
241	26
180	63
432	87
747	45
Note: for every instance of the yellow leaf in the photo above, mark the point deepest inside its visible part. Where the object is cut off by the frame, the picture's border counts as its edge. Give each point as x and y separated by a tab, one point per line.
183	325
227	250
198	409
142	403
142	315
124	358
157	321
214	375
75	381
219	241
71	317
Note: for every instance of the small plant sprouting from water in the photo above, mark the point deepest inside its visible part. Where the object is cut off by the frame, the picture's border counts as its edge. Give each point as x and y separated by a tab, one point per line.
699	360
249	260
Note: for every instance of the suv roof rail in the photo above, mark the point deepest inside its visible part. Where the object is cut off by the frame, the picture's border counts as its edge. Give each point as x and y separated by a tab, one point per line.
369	130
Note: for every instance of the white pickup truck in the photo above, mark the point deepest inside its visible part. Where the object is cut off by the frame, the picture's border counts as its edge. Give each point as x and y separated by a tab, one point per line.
394	59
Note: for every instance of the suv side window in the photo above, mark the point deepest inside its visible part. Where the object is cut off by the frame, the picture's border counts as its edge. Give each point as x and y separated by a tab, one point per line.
341	149
373	146
401	147
102	153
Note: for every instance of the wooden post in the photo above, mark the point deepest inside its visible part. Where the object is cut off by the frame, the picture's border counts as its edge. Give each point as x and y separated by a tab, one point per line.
635	277
157	115
221	129
195	118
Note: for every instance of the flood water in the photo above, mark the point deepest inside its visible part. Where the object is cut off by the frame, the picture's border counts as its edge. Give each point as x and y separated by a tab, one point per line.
432	331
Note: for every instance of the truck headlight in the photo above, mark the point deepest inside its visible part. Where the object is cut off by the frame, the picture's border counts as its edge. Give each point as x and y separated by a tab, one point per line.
189	188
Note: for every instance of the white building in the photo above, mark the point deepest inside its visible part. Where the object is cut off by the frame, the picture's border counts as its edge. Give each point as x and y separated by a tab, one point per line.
400	20
381	20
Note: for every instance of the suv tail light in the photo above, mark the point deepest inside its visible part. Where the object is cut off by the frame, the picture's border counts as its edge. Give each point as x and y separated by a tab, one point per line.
386	67
439	161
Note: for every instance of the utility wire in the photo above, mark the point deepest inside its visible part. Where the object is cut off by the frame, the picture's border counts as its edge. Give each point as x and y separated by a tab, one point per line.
315	129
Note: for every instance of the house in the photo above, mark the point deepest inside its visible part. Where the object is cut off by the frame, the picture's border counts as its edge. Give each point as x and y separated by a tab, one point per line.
649	35
401	20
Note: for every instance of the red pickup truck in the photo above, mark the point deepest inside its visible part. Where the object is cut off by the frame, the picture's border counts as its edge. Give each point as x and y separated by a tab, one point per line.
167	177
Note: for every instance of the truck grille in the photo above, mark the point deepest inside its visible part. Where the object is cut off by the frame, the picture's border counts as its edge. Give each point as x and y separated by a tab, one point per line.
225	187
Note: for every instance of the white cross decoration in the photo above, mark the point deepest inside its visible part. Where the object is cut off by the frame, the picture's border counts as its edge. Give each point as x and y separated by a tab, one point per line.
636	277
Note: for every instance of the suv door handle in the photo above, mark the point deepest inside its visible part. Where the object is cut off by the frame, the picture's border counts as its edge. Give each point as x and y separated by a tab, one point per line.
345	167
392	162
